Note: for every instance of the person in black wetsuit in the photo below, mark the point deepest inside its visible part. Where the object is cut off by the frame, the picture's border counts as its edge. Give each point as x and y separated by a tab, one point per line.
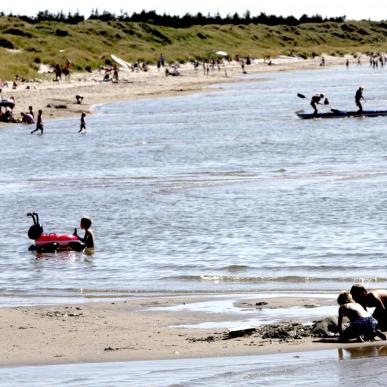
358	98
316	100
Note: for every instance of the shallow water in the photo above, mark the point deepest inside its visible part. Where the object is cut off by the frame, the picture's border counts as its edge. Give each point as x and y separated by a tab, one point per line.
355	367
222	191
245	317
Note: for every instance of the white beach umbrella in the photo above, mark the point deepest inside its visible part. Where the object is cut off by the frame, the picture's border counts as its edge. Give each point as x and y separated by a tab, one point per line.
221	53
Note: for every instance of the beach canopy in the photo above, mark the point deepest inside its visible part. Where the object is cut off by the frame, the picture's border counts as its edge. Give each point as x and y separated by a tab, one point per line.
221	53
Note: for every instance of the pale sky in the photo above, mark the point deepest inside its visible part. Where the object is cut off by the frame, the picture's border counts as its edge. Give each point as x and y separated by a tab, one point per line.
353	9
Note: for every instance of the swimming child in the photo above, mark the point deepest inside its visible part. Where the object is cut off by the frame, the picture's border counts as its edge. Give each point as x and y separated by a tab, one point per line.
362	325
83	123
88	238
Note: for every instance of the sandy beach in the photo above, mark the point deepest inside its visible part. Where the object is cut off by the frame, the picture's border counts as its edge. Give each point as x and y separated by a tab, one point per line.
57	99
135	329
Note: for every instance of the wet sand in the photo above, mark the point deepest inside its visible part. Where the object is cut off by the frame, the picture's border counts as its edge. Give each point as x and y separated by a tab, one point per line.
141	329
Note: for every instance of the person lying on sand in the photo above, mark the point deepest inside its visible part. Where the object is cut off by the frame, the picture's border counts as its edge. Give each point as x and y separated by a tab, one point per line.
376	298
362	325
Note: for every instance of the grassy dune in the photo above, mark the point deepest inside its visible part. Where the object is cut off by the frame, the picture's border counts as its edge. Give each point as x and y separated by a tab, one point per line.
24	46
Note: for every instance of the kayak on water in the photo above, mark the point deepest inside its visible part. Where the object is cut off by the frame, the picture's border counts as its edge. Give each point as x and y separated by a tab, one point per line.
335	113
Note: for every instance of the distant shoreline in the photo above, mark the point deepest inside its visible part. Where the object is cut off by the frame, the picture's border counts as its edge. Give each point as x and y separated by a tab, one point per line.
57	99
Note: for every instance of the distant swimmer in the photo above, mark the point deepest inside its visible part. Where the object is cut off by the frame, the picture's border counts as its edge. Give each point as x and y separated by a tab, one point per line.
315	100
359	97
83	123
39	123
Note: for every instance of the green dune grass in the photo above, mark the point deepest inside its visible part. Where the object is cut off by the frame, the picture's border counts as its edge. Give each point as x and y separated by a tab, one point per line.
88	45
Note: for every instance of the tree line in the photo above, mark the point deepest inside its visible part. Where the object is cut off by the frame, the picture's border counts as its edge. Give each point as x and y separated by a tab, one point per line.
176	21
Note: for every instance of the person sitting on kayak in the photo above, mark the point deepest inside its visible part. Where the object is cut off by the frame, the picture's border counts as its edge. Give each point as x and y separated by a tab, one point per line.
316	100
358	98
88	238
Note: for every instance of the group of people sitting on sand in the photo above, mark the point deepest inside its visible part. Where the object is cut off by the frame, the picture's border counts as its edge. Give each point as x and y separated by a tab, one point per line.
29	117
7	114
362	325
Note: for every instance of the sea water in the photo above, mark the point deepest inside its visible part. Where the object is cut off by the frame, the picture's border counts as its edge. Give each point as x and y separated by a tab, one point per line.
222	191
350	367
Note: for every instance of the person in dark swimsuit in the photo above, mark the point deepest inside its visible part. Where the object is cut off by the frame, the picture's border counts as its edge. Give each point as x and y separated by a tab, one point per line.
315	100
39	123
83	123
358	98
88	238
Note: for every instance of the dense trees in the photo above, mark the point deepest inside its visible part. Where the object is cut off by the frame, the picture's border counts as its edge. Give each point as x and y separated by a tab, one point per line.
187	20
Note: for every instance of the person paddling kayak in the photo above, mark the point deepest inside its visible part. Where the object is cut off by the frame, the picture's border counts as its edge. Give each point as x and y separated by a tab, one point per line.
359	97
316	100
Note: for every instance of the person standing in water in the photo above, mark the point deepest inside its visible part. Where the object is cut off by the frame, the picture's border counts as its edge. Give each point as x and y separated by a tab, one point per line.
39	123
358	98
83	123
88	238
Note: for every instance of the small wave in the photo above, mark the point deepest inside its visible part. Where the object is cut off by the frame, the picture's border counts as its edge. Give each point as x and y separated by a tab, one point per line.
172	266
236	268
268	279
320	268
